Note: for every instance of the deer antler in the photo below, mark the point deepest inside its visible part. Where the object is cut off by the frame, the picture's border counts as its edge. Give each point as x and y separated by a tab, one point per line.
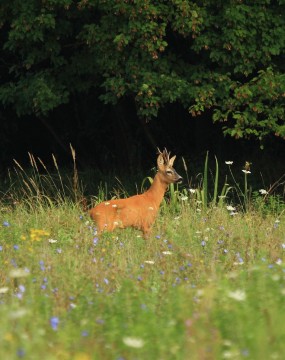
165	155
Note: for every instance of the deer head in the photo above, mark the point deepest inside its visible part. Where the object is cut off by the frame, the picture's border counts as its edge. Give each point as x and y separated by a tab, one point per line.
165	168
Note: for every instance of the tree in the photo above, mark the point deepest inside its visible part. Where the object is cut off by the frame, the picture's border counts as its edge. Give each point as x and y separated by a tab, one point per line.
226	56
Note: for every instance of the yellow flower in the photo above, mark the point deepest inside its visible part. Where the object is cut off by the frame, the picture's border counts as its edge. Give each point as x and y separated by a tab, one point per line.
38	234
82	356
8	337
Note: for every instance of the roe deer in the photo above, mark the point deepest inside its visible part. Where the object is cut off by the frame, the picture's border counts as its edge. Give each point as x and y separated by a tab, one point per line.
138	211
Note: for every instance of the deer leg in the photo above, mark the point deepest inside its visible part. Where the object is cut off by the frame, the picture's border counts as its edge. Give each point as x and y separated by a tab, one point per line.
146	232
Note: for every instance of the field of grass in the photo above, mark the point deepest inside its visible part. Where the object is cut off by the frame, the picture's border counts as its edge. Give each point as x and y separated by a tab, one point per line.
208	284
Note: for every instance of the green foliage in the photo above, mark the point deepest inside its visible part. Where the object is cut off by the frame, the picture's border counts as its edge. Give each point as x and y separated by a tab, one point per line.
226	56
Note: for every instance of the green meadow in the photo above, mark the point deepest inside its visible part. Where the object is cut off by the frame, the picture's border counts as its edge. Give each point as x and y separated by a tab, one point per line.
208	284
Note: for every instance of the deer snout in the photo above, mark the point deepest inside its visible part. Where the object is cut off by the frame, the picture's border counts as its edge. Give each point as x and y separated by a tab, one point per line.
179	179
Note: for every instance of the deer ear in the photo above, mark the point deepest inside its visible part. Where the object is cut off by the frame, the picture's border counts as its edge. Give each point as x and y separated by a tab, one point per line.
160	161
171	161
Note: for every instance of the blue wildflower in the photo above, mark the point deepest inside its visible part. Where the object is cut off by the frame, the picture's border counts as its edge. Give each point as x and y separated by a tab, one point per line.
20	353
6	223
54	321
16	247
22	288
203	243
1	247
106	281
95	241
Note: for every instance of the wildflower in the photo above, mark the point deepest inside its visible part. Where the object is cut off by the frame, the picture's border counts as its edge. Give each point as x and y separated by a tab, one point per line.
20	353
16	247
192	191
18	273
59	251
6	223
3	290
54	321
158	236
84	333
246	171
52	241
263	191
95	241
167	252
42	266
238	295
133	342
228	162
1	247
231	208
225	251
278	262
283	246
203	243
149	262
22	288
38	234
19	313
184	198
106	281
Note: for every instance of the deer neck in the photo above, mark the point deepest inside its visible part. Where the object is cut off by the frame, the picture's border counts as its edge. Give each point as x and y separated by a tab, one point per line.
157	190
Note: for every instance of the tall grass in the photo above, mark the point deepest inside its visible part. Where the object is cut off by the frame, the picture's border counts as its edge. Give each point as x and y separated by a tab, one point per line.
206	285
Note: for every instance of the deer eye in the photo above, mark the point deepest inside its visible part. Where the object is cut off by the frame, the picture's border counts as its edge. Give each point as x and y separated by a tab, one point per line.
169	172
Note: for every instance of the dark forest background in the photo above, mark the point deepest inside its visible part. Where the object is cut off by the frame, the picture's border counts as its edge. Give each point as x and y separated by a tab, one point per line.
117	79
